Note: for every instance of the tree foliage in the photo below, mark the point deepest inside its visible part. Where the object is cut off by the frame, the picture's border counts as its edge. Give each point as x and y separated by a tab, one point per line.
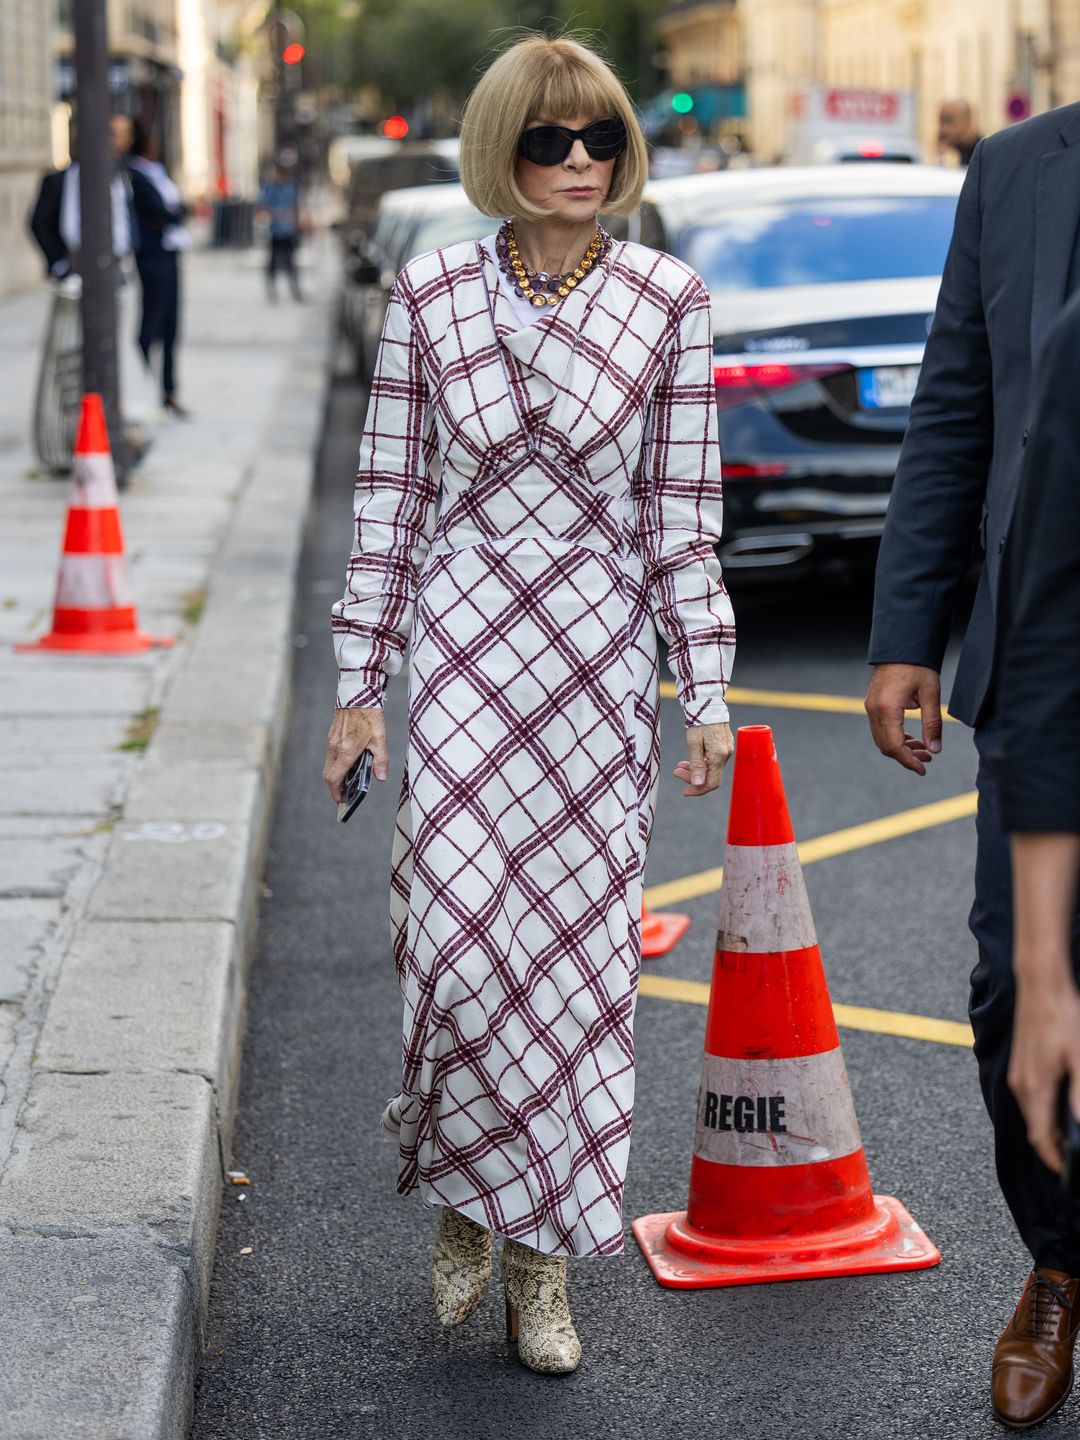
416	50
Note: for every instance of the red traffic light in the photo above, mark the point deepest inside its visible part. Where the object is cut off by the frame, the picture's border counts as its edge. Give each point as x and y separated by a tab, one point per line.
293	54
396	127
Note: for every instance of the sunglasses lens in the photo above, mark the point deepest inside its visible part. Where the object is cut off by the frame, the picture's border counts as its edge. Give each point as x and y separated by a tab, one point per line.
604	139
545	145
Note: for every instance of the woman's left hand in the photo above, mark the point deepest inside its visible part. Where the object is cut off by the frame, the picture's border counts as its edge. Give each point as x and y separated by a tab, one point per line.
710	747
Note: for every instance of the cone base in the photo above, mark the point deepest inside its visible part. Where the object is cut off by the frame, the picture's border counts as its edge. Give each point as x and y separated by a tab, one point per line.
682	1258
661	933
116	642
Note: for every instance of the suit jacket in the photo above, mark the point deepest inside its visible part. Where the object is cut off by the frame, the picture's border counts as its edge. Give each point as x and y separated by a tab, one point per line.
1006	278
153	216
45	220
1040	590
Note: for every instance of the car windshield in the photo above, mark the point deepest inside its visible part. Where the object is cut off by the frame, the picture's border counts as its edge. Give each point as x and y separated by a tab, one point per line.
825	242
446	229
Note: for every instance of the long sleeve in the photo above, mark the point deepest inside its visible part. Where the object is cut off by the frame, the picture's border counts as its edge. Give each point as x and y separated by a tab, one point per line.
394	508
679	506
941	477
1039	764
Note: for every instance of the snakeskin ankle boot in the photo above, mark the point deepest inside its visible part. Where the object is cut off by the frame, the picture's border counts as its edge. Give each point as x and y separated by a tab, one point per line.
537	1313
460	1268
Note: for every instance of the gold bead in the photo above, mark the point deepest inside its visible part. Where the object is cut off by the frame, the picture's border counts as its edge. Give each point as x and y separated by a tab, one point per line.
579	273
564	290
537	300
570	282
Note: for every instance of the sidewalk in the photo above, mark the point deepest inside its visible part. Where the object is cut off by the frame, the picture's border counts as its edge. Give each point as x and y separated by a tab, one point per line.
134	793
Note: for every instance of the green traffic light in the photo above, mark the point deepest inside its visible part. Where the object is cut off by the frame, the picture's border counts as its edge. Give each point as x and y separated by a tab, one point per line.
682	103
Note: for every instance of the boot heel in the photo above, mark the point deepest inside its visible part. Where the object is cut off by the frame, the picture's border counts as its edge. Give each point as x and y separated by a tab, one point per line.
511	1321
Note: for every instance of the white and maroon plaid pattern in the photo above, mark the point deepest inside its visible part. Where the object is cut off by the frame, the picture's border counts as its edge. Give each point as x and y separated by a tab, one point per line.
531	505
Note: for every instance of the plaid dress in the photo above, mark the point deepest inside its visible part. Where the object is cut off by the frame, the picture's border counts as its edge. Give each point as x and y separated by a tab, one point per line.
533	503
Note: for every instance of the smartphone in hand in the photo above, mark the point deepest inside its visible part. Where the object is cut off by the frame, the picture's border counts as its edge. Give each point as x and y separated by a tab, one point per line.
355	786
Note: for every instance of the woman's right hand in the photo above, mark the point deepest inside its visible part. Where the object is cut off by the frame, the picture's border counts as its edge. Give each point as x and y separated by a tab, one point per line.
351	733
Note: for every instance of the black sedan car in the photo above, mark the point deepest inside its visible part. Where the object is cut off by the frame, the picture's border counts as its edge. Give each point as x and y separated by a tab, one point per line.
823	284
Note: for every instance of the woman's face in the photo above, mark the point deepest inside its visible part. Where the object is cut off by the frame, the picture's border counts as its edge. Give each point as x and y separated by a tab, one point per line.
573	190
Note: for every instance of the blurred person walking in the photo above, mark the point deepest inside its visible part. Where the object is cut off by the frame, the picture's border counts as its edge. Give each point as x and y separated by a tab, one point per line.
280	199
159	212
538	492
956	130
1039	777
1013	260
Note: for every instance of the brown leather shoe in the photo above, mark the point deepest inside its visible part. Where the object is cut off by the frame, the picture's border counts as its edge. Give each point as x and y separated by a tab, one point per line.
1033	1363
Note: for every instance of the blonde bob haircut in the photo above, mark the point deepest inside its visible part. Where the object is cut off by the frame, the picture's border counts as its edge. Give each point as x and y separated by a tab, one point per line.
543	79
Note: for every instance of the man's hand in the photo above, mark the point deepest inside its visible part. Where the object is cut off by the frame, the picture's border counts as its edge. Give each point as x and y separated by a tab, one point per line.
710	747
1045	1051
894	689
351	733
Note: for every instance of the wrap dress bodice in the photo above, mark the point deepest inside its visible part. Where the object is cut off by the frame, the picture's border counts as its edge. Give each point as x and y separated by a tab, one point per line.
532	503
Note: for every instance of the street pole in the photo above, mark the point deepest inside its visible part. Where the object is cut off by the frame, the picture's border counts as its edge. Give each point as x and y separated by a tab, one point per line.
97	263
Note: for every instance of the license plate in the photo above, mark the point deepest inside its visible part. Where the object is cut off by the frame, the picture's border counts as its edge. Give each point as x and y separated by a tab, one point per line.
889	387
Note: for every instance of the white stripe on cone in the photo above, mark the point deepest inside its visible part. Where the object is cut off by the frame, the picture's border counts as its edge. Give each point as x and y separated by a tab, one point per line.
93	483
93	582
764	907
796	1111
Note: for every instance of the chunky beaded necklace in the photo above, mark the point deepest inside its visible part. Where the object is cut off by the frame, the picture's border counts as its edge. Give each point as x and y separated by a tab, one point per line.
537	286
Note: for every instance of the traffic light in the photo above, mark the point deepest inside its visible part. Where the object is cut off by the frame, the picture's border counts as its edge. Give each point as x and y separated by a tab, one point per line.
682	103
396	127
293	54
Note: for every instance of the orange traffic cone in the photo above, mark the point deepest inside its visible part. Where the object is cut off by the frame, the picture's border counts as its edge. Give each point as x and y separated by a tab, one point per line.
661	933
779	1188
95	609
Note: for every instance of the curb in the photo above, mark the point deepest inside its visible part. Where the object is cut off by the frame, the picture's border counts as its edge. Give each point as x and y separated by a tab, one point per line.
110	1200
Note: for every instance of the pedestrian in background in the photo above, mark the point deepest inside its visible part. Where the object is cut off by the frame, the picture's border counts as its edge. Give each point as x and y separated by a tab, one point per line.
159	212
539	491
280	199
1013	260
956	130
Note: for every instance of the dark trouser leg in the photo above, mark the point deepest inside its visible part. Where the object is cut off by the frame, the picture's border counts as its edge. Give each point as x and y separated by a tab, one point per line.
149	325
170	320
272	263
290	266
1032	1192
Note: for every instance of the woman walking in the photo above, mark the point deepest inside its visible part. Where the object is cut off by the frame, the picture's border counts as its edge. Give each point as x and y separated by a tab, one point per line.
538	493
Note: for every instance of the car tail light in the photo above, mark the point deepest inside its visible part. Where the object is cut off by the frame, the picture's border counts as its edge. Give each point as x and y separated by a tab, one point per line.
736	384
736	471
871	150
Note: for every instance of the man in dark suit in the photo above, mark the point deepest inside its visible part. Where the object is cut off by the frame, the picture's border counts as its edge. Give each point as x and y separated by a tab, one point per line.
1014	259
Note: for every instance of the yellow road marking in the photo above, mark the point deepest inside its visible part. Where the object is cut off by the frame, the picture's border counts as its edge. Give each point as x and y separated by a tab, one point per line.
824	847
791	700
848	1017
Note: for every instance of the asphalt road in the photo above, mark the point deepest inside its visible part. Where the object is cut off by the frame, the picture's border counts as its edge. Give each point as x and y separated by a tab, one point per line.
325	1329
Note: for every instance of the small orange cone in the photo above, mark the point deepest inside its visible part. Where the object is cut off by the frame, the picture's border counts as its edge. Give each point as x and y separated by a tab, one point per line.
95	609
661	933
779	1188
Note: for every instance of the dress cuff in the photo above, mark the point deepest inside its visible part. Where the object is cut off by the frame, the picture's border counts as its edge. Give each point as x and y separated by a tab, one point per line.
356	693
704	710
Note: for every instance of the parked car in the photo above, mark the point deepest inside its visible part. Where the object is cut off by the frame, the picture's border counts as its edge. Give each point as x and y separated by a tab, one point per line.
407	223
823	285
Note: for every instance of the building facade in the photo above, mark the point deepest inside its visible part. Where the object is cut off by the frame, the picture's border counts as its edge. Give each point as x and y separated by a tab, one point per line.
26	60
994	53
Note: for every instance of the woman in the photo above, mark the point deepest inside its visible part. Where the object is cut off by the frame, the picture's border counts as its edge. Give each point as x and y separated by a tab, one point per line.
159	212
539	487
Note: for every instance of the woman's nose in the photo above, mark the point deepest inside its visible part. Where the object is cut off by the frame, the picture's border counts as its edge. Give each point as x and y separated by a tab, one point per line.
578	159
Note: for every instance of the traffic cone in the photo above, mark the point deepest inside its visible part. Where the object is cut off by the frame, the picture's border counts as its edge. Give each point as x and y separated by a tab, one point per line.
661	933
779	1188
95	609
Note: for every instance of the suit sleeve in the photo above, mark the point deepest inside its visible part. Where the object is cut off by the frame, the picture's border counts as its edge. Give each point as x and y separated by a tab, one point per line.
394	509
941	479
679	505
1039	769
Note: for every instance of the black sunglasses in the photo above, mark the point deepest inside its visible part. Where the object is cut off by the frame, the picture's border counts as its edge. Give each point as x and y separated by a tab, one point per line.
551	144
